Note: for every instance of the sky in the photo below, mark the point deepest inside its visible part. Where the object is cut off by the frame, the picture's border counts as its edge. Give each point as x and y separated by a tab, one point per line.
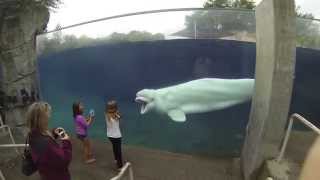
76	11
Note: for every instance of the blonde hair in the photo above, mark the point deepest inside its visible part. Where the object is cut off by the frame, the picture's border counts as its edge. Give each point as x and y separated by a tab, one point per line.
37	116
111	109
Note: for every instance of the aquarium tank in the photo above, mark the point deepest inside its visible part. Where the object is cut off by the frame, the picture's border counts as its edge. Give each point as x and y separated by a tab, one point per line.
116	58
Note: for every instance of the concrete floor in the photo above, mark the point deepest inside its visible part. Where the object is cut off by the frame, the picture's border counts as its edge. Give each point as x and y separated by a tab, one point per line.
160	165
147	165
298	146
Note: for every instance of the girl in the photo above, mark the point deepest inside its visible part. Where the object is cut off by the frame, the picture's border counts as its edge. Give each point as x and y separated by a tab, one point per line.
51	158
81	125
112	117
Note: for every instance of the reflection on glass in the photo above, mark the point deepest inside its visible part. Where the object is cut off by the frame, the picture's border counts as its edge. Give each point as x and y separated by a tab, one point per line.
115	59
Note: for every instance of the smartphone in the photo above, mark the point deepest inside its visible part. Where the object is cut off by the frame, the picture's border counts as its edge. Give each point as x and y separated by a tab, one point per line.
61	132
91	112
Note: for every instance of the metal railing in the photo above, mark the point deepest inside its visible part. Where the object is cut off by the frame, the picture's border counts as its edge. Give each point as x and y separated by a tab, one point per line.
146	12
292	118
10	146
13	145
8	130
1	176
126	167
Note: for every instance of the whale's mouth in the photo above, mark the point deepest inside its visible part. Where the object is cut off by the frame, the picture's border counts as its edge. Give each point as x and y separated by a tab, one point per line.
144	104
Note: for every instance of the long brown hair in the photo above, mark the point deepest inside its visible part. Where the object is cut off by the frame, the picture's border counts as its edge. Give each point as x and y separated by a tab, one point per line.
38	116
76	109
112	110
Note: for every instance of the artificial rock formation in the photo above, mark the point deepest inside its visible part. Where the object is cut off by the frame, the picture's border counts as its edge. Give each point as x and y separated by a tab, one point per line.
20	22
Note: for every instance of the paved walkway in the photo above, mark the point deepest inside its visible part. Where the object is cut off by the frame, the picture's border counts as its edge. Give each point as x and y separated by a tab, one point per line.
159	165
147	164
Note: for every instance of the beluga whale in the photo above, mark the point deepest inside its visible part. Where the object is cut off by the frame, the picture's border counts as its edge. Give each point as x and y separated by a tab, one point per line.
196	96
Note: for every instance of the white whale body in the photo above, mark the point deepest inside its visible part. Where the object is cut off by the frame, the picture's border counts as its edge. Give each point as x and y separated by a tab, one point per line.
197	96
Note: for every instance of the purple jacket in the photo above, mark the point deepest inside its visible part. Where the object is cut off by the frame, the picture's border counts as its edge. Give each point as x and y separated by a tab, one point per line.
81	125
51	158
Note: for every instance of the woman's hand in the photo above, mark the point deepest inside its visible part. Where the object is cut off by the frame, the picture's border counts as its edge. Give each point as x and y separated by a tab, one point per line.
53	133
118	115
61	133
66	137
89	120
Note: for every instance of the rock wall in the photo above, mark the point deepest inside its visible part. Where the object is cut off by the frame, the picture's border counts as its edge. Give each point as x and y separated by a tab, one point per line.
20	22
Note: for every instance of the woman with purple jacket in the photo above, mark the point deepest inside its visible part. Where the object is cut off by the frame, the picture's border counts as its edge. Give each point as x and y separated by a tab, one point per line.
81	125
51	158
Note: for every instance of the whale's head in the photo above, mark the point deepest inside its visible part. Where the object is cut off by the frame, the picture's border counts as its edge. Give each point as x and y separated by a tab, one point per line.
146	98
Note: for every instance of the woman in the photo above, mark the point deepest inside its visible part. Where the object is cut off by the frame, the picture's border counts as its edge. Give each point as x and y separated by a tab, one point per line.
81	125
112	117
52	159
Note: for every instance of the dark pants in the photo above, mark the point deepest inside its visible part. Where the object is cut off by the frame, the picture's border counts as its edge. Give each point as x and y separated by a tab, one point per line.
116	146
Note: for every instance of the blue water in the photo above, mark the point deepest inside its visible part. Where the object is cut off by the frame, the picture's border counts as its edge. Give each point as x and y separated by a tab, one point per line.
117	71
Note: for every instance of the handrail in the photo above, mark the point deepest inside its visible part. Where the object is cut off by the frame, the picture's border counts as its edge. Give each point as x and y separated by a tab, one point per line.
11	136
305	122
126	167
157	11
145	12
13	145
1	176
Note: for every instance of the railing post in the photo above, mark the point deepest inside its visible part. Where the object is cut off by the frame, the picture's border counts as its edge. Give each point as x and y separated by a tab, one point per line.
286	139
126	167
1	176
11	136
130	173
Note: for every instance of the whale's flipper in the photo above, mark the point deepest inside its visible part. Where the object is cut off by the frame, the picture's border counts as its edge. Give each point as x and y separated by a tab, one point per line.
177	115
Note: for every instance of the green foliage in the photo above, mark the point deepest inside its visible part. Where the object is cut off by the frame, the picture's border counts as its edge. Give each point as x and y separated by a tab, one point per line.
308	30
52	4
301	14
214	24
244	4
217	4
59	42
134	36
308	33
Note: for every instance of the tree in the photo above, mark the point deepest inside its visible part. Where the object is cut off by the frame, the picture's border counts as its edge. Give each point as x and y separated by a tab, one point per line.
52	4
308	36
301	14
69	41
217	4
244	4
117	37
308	33
59	42
214	24
220	23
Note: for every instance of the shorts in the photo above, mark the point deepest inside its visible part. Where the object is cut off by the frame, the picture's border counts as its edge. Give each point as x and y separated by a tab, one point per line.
81	137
